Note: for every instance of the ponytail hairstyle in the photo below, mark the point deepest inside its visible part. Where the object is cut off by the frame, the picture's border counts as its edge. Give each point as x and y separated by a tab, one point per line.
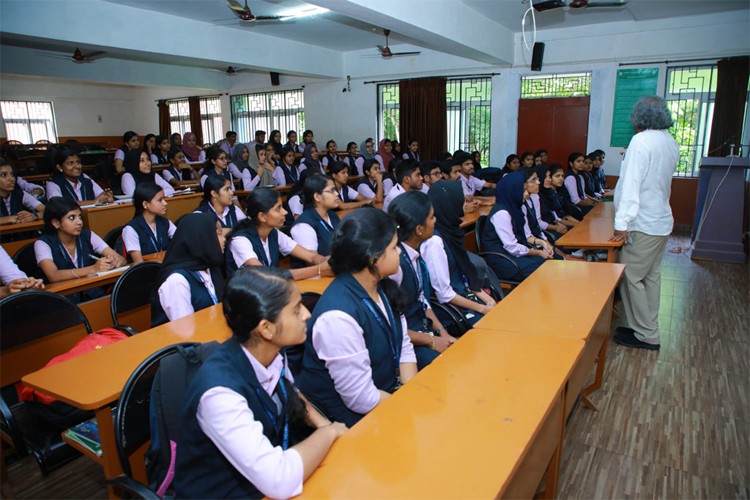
360	239
259	201
408	211
144	192
572	157
212	183
211	154
315	184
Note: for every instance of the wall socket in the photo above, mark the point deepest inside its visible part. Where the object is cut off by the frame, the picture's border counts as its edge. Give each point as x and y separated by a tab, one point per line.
99	118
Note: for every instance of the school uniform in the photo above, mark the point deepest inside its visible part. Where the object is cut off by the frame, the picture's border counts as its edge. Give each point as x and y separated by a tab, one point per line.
234	430
311	231
128	184
83	189
18	201
329	160
159	158
201	158
501	237
471	184
226	147
138	236
347	194
295	205
379	159
410	156
229	217
356	345
171	172
184	292
8	269
286	175
28	186
246	245
367	188
359	164
120	153
575	185
351	162
226	174
396	191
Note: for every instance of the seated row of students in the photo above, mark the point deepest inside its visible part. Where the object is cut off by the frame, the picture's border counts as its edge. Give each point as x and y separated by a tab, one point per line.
12	279
17	206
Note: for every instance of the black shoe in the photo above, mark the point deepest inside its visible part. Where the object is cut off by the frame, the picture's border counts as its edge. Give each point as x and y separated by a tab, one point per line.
625	330
629	340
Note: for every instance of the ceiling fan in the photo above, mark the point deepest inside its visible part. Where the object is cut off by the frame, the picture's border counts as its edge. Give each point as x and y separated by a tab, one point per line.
230	70
78	57
576	4
386	51
244	13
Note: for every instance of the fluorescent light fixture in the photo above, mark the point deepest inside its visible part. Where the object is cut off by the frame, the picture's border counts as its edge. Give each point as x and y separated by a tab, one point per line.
303	11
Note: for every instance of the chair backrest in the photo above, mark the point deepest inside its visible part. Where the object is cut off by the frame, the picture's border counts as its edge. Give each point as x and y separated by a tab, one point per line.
131	296
310	299
25	259
478	230
111	237
36	326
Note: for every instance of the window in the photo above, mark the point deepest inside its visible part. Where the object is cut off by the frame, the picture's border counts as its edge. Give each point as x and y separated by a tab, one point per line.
283	110
212	128
29	122
568	85
468	102
690	94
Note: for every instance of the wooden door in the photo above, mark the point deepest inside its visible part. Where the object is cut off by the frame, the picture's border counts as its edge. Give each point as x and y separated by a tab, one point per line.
560	125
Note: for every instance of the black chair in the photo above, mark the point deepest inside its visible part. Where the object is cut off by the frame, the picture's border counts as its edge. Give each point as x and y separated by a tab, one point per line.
294	353
25	259
35	326
130	305
132	420
111	237
481	221
453	318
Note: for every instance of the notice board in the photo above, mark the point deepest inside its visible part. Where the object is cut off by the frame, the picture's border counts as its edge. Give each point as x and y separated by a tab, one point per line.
632	84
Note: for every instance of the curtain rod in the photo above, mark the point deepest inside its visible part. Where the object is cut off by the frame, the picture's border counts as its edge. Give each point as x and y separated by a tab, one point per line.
451	77
188	97
668	62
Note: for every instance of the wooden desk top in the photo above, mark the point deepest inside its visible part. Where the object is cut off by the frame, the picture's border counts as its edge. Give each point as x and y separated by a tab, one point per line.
595	230
561	298
476	410
34	225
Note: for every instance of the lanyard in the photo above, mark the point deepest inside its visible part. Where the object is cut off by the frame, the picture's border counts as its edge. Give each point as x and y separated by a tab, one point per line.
79	262
71	190
327	226
155	241
390	332
205	285
272	415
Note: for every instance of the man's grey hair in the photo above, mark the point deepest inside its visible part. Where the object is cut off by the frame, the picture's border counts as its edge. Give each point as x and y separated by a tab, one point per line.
651	113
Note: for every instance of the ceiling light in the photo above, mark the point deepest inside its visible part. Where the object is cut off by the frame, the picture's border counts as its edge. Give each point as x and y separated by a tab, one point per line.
304	11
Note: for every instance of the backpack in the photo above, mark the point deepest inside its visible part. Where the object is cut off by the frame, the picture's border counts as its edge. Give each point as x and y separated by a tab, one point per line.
170	384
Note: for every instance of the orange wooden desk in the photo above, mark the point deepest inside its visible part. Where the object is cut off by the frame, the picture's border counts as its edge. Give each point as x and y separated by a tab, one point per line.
479	422
594	231
541	305
34	225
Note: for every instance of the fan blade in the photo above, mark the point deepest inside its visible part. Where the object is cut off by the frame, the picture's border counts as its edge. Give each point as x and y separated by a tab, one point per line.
94	56
381	49
605	4
235	5
405	53
271	18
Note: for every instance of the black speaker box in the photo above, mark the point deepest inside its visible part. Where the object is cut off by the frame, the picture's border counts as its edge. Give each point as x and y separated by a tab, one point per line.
538	55
275	78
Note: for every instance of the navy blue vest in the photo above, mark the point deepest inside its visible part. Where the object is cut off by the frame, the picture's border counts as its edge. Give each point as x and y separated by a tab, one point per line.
201	470
149	243
290	173
534	226
491	241
552	201
251	233
410	285
384	347
87	188
60	256
457	279
161	158
16	202
323	231
580	183
231	218
366	182
199	297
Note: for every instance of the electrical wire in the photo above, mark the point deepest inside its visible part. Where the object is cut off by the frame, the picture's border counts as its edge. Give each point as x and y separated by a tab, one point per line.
533	24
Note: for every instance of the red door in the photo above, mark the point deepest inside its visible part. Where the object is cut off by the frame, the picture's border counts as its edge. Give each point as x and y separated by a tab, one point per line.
560	125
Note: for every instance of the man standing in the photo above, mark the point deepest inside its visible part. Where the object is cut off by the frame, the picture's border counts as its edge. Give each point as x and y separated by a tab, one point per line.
643	219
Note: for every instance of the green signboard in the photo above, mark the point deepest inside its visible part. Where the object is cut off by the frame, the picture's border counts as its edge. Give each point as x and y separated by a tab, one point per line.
632	84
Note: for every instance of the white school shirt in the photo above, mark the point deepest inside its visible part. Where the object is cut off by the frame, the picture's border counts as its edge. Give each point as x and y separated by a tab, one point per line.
43	251
27	186
360	164
471	185
231	179
642	193
128	184
527	226
227	420
350	191
398	276
379	159
365	190
433	253
133	243
120	154
27	200
238	212
279	177
8	269
306	236
537	204
242	249
394	193
54	190
503	226
425	187
387	186
201	158
174	294
295	205
570	184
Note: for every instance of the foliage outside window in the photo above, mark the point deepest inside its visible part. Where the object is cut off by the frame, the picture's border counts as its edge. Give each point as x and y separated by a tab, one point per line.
29	121
211	125
283	110
566	85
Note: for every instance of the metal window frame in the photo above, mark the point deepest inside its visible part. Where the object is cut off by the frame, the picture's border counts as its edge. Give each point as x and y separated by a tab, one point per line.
50	123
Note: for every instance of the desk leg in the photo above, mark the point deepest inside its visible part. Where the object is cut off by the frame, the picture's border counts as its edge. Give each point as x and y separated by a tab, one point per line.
611	255
110	459
600	361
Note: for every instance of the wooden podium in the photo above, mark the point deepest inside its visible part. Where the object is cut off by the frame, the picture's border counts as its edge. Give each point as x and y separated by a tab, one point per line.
719	213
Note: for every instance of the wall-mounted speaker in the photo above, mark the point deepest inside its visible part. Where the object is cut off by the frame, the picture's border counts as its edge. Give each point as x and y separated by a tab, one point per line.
275	78
537	57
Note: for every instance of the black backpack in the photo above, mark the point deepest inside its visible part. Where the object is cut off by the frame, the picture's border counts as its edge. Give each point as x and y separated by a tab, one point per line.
171	382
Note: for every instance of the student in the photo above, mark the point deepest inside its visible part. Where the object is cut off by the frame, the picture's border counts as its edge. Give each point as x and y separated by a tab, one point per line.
412	151
469	183
450	171
315	227
575	184
531	186
190	278
274	139
506	232
33	189
371	186
260	138
176	141
291	142
179	171
191	148
227	144
149	231
554	208
367	152
72	184
408	178
257	241
431	173
262	162
217	201
160	154
540	157
239	433
294	197
16	205
550	223
68	251
130	141
351	159
331	155
310	159
358	349
350	198
385	154
307	138
599	169
149	144
240	167
512	164
396	150
12	279
216	164
454	277
527	159
138	170
287	174
415	222
588	180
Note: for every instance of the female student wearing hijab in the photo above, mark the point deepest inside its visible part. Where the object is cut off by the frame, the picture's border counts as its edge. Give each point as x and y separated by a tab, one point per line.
350	198
367	152
412	151
216	164
71	183
263	164
310	158
179	171
190	278
331	155
218	201
287	174
554	226
554	208
358	349
315	227
149	231
371	186
240	168
385	152
191	148
138	170
415	221
245	430
130	141
12	279
575	184
507	232
16	205
454	277
160	154
257	241
68	251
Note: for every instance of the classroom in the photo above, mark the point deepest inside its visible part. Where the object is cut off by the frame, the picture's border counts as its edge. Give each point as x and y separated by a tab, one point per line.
493	77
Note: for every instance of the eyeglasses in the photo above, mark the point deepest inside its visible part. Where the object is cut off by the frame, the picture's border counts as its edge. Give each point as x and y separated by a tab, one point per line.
331	191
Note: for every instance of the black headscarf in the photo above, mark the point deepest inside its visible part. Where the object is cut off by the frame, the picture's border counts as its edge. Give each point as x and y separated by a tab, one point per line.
131	163
195	246
509	197
447	198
